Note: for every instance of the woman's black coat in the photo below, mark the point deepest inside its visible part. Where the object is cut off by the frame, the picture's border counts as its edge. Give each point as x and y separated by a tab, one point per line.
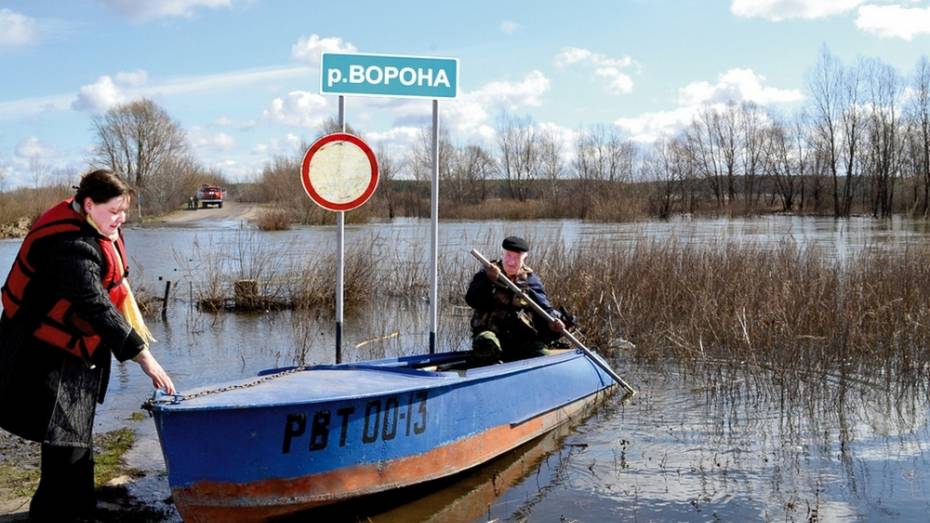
46	394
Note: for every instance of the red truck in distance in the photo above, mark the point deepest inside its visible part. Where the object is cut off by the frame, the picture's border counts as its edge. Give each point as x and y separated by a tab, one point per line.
210	195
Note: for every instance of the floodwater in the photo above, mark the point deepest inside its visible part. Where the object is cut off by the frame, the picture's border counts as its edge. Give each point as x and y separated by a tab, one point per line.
696	444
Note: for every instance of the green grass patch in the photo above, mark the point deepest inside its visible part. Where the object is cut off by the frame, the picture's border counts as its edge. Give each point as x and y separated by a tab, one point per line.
18	481
109	449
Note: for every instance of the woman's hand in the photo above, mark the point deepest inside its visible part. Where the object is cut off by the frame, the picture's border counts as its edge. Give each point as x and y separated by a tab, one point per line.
150	367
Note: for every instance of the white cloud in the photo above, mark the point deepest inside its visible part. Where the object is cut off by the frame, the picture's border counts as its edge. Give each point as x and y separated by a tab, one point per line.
513	95
32	147
89	97
299	109
735	85
224	121
287	146
308	48
293	141
99	96
778	10
133	78
203	139
509	27
571	55
106	92
223	80
138	11
469	115
648	127
17	29
894	21
397	138
617	81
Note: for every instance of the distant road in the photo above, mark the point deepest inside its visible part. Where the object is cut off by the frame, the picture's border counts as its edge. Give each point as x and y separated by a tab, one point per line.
231	211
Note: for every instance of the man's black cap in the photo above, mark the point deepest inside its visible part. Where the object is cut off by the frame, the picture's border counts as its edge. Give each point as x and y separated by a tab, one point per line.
516	244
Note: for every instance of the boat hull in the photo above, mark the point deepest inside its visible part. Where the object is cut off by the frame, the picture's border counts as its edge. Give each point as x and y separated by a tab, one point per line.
276	453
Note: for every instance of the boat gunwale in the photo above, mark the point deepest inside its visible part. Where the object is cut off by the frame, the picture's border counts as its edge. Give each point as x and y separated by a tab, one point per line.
162	403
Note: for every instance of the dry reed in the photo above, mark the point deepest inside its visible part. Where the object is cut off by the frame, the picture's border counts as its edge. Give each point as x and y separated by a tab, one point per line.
273	220
784	305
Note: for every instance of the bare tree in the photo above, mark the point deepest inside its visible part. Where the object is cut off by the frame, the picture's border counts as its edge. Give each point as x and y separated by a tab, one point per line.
552	165
603	161
752	133
662	166
139	140
474	167
520	158
920	116
388	168
38	170
885	135
825	85
852	126
726	129
703	141
601	154
788	159
421	156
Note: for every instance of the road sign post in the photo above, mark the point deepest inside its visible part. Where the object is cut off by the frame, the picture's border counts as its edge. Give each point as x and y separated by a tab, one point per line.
339	173
400	76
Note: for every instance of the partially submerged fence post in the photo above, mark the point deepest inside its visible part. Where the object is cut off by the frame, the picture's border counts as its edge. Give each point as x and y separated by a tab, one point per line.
164	301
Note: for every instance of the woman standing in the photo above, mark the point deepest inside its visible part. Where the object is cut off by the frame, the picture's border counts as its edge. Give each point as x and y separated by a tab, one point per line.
66	307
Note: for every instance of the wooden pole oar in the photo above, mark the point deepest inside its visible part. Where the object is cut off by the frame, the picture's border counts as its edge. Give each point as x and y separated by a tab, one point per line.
542	312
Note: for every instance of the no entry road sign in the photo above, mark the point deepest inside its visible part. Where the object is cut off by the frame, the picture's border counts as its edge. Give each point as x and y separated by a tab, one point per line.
388	75
339	172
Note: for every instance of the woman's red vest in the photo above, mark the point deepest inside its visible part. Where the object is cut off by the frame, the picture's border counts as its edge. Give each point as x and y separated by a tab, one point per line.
60	326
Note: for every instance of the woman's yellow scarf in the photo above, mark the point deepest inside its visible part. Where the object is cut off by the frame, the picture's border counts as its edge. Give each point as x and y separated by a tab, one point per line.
130	308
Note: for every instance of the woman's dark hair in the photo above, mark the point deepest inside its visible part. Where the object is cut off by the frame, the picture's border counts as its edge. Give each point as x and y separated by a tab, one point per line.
101	186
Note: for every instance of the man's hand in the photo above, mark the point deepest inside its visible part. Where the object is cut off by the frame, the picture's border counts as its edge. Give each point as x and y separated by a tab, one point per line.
152	369
492	272
556	325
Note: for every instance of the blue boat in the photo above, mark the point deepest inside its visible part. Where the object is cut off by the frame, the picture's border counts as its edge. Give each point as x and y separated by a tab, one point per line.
296	438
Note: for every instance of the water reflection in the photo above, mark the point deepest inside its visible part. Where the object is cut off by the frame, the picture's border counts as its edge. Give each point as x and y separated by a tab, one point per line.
746	445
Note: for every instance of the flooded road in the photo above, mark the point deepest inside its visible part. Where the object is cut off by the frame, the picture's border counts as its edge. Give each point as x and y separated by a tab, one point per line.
700	442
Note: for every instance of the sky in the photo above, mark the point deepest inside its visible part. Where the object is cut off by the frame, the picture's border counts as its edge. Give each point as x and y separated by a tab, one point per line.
242	77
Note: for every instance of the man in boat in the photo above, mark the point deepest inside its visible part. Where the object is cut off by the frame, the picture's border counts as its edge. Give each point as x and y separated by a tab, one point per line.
504	326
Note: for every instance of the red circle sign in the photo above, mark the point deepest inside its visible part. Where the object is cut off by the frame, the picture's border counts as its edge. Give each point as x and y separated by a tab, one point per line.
339	172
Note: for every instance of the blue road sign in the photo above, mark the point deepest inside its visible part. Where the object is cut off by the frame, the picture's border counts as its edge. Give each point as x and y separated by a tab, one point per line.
387	75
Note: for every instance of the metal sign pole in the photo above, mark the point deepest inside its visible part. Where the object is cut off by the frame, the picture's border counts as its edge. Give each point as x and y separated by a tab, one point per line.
340	251
434	245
